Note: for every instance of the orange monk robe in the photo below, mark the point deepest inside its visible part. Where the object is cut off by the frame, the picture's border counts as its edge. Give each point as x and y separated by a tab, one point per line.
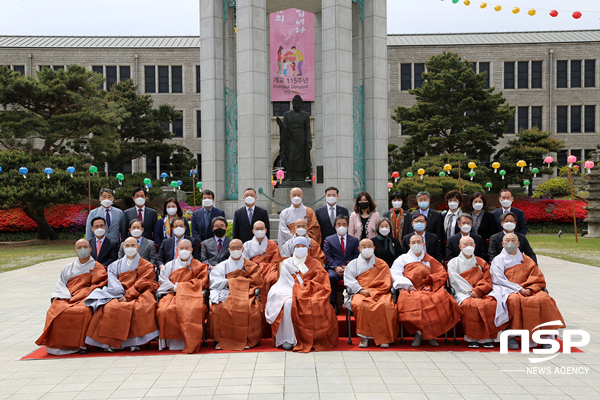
267	258
181	311
433	311
508	275
287	221
376	316
313	319
236	317
68	318
466	275
130	323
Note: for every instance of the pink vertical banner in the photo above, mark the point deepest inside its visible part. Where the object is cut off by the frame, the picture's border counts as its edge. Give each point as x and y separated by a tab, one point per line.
292	55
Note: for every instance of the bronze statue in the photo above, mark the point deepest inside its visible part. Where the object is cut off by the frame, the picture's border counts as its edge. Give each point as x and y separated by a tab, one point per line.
295	142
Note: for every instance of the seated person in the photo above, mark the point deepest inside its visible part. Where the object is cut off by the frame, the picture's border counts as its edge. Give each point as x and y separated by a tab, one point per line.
125	309
146	248
470	277
425	308
301	231
181	309
68	318
236	319
265	253
508	223
465	224
215	249
387	247
104	250
369	280
518	284
169	246
297	306
431	242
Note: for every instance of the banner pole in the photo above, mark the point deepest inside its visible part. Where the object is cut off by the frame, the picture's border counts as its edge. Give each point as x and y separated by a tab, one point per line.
459	184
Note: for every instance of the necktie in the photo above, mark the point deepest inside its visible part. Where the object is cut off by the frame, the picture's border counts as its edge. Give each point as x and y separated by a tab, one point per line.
107	219
250	215
176	246
98	247
450	229
343	247
220	245
331	216
140	215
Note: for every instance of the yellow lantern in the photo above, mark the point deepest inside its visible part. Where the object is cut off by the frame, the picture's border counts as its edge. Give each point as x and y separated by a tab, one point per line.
521	163
498	8
421	171
483	5
448	168
496	165
531	12
467	2
472	165
516	10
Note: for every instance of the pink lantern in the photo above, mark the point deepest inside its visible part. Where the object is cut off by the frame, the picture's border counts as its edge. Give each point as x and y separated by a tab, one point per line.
589	165
571	160
274	183
280	175
390	185
549	160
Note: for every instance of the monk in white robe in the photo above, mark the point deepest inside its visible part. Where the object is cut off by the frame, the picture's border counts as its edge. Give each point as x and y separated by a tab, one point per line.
369	280
265	253
68	318
302	231
290	215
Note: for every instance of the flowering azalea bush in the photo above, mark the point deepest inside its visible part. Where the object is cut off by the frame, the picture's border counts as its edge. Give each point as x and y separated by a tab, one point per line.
70	217
545	210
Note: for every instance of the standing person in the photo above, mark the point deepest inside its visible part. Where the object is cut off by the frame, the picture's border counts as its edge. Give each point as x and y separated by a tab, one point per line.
279	59
115	230
364	218
202	219
299	59
435	221
147	216
506	199
465	229
245	217
484	223
168	247
327	214
400	219
454	200
164	226
387	247
290	215
430	240
146	248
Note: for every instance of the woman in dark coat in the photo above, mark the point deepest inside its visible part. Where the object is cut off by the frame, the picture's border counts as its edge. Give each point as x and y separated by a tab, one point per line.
387	248
484	223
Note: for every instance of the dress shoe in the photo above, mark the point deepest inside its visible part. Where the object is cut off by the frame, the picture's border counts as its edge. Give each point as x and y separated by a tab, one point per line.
134	349
288	346
364	342
513	344
384	345
473	345
545	346
417	340
109	350
488	345
84	350
433	342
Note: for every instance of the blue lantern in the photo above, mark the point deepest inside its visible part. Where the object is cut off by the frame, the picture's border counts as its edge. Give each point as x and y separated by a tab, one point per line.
164	175
48	171
149	185
193	172
0	169
71	170
23	171
179	183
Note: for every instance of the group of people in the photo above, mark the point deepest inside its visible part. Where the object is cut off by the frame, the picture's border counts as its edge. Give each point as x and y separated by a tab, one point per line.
391	269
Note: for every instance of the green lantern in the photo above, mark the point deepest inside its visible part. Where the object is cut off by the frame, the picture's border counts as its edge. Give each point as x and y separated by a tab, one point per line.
502	172
199	186
409	174
442	173
120	178
535	172
173	184
489	186
526	183
147	182
93	169
472	174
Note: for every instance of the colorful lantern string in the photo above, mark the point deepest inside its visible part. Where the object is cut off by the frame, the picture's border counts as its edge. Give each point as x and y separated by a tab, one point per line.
576	15
71	170
467	2
421	172
489	186
498	8
472	174
502	172
483	5
535	172
521	164
23	171
496	165
48	171
548	160
531	12
589	165
571	160
516	10
554	13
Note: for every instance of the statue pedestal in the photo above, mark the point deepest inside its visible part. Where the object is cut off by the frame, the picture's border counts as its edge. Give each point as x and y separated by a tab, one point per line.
593	207
282	195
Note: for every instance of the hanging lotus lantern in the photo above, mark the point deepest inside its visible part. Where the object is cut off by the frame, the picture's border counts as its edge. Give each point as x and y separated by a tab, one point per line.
280	175
48	171
390	185
448	168
173	184
576	15
502	172
516	10
395	175
589	165
121	178
571	160
521	163
71	170
489	186
554	13
483	5
179	183
164	175
535	172
472	174
442	173
498	8
93	169
409	174
421	172
496	165
472	165
531	12
23	171
199	186
548	160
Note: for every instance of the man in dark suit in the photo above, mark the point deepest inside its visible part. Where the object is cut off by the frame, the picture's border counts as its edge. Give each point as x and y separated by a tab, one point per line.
245	217
339	250
506	199
146	215
435	221
201	219
465	223
168	247
419	227
103	249
508	221
216	249
326	215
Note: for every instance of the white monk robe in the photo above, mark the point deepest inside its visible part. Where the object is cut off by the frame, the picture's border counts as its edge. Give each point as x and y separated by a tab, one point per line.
457	266
219	289
399	281
353	270
502	286
252	248
287	217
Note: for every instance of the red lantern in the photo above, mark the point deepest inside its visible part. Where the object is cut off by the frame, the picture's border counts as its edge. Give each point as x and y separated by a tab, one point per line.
576	15
395	175
554	13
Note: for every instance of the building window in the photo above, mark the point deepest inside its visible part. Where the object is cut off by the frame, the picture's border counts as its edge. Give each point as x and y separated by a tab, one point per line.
306	107
536	117
485	67
510	126
575	119
536	74
575	73
125	72
44	66
590	73
198	83
588	153
405	71
576	153
177	79
99	69
590	119
523	78
419	69
199	168
561	158
59	67
166	126
111	77
509	75
163	79
198	124
523	118
178	128
20	69
151	165
561	119
150	79
280	107
561	74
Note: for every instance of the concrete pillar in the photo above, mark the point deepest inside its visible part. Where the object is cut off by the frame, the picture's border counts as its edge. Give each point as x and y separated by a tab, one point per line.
337	96
318	108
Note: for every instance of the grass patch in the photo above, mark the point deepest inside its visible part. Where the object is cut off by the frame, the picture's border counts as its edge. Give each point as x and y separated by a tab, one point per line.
587	251
26	254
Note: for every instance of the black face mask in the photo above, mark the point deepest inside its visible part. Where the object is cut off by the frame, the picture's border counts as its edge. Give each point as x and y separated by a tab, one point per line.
364	205
219	232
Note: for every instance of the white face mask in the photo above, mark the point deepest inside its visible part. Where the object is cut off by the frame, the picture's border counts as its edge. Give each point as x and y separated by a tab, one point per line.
397	204
207	203
509	226
136	233
478	206
300	252
469	250
466	228
99	232
300	231
140	201
130	251
506	203
184	254
331	200
296	200
453	205
179	231
106	203
235	254
341	230
367	252
172	210
84	252
249	200
416	248
260	234
384	231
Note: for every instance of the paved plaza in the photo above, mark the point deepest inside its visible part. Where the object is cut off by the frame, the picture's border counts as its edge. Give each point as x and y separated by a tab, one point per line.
25	297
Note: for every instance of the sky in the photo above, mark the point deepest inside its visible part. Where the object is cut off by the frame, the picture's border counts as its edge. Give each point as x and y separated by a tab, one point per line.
180	17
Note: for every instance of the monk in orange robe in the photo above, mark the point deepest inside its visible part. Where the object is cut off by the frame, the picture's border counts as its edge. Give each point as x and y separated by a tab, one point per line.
236	318
125	309
265	253
298	306
470	278
301	227
181	310
68	318
369	280
290	215
425	308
